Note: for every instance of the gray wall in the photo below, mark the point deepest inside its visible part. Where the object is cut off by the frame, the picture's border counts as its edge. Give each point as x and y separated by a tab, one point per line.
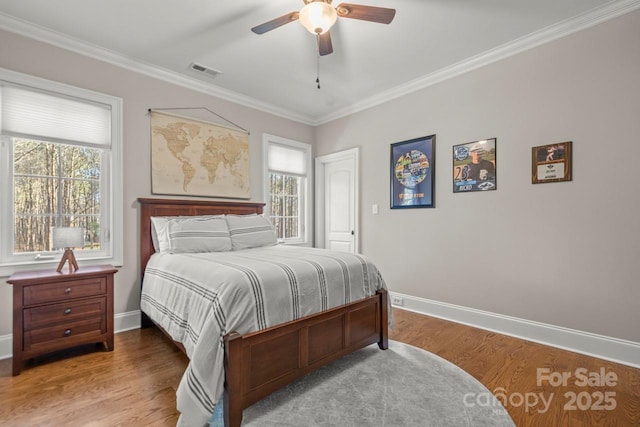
559	253
139	92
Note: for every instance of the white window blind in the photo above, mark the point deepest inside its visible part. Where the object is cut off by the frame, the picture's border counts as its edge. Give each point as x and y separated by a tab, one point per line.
31	114
287	159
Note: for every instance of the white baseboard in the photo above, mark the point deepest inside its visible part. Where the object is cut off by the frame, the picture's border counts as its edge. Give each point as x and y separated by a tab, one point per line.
6	346
126	321
121	322
594	345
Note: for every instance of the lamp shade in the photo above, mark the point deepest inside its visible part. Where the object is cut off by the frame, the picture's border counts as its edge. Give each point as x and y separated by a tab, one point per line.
318	17
67	237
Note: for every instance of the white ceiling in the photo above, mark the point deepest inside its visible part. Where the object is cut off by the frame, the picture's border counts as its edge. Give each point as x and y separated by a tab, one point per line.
427	42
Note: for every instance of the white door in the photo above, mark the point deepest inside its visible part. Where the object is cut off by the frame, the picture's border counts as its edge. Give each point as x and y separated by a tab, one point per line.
337	204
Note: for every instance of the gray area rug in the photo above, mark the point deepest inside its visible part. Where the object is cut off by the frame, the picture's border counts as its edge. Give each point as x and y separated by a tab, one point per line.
402	386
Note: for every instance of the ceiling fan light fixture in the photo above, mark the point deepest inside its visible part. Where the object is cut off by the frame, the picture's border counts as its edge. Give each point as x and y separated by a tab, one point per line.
317	17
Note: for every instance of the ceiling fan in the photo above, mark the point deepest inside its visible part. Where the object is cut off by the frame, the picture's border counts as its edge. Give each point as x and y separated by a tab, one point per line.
318	16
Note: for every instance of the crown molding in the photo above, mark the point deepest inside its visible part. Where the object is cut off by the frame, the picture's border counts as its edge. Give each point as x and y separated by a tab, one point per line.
586	20
522	44
46	35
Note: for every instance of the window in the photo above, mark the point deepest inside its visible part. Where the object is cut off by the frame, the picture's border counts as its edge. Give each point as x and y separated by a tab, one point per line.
61	167
288	188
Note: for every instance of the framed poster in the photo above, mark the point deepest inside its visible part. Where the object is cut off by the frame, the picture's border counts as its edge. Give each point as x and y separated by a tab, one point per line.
413	173
474	166
551	163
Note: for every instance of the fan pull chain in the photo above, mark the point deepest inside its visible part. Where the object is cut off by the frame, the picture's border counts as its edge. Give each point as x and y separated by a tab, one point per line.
318	67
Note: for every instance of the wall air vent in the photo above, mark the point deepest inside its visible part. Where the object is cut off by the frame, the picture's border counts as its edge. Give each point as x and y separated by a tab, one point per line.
203	69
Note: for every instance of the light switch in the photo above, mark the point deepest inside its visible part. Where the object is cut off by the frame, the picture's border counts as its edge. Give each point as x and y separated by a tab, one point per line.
374	209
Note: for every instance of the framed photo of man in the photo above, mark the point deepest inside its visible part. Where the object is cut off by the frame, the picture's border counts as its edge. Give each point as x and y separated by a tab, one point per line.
551	163
474	166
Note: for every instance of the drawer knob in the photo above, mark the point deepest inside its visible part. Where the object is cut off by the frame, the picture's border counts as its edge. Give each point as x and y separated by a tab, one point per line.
67	311
67	290
67	332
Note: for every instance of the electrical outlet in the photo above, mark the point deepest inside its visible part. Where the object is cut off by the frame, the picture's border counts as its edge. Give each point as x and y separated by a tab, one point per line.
397	301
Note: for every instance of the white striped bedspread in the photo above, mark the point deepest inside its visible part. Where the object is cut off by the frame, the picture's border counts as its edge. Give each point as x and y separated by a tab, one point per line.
199	297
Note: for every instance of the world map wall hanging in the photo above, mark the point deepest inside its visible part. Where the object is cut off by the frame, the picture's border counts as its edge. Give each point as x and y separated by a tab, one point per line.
194	158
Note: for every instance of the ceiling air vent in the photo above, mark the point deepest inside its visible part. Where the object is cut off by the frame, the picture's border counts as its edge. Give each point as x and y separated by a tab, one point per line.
206	70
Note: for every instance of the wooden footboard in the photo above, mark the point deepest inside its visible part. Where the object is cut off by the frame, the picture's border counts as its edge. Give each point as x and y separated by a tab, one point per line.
259	363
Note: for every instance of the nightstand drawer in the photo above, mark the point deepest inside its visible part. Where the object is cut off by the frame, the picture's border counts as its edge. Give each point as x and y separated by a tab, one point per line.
64	334
48	315
60	291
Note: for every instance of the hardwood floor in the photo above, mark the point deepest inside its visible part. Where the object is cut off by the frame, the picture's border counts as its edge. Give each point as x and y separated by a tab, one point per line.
135	384
509	368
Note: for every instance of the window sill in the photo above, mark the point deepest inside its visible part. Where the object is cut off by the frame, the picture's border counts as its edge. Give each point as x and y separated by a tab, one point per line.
304	244
8	269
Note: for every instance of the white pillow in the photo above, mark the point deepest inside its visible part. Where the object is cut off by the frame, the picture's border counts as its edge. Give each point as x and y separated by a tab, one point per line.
198	234
250	231
159	231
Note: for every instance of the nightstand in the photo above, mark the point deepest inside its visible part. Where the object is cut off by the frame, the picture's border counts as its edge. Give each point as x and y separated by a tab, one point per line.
54	311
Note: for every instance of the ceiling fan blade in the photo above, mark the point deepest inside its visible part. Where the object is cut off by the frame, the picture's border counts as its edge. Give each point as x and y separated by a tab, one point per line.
381	15
324	44
275	23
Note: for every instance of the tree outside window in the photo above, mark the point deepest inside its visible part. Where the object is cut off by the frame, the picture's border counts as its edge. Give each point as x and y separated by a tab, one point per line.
55	185
285	198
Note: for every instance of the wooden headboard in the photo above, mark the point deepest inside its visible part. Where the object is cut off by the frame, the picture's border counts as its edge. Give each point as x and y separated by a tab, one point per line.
177	207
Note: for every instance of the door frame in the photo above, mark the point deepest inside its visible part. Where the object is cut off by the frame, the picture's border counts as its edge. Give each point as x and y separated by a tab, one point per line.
320	164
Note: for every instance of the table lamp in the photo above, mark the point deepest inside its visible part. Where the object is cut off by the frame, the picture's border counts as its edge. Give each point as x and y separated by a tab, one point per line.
67	238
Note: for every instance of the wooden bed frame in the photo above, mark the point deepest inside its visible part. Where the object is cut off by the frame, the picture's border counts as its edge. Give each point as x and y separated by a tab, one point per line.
259	363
